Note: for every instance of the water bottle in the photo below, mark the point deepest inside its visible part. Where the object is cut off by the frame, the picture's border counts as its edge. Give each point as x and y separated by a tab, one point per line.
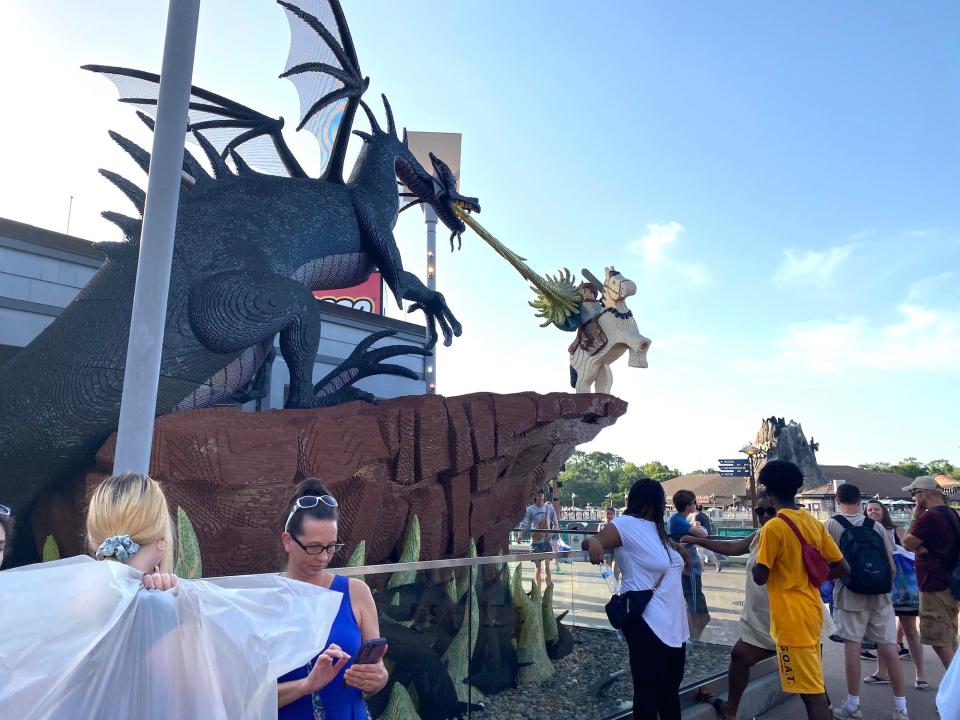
606	572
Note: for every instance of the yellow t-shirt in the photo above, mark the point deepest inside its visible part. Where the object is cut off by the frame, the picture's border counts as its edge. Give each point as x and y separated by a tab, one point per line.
796	609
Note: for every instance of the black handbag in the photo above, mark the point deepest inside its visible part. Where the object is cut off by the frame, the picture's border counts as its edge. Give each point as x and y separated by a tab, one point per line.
634	601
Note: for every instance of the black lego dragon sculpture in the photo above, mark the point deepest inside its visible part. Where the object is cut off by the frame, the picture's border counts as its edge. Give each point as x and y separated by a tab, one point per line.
250	248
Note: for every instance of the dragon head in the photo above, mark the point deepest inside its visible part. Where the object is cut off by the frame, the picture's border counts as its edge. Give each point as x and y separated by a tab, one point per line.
439	190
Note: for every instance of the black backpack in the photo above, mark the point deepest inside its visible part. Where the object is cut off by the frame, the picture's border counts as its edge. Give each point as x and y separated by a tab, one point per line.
866	553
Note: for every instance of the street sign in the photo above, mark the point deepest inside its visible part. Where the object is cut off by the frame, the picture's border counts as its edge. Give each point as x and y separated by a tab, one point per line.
734	467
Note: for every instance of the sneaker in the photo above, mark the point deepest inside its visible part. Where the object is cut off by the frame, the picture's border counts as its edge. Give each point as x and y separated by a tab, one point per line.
845	713
903	653
868	645
867	655
836	638
899	715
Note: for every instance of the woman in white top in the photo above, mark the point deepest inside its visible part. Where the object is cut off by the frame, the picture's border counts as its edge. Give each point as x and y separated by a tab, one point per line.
656	637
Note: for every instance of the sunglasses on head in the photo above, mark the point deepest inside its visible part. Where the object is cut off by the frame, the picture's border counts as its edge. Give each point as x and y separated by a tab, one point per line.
761	511
4	510
309	501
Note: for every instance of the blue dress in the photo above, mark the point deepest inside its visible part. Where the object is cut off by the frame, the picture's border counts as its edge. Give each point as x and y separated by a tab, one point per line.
336	701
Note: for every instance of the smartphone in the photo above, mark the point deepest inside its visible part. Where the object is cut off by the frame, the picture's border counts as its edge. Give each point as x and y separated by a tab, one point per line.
371	652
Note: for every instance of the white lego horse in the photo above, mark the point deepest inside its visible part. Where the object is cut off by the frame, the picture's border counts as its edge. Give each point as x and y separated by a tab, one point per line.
617	322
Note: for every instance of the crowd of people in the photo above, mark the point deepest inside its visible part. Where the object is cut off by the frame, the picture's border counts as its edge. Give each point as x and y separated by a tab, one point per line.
857	559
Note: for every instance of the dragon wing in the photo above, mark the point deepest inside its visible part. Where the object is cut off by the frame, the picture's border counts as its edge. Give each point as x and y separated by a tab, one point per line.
225	123
322	65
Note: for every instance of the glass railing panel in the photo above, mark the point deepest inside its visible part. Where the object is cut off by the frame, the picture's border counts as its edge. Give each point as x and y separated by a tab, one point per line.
428	617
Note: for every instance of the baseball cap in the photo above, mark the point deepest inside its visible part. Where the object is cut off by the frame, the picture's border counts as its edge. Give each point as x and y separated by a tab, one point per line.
924	482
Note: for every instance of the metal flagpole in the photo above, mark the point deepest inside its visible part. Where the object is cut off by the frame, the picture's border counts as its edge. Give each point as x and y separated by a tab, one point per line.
430	218
145	345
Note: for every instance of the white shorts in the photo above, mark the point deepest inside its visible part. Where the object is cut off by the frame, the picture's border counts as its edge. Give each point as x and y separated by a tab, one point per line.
879	625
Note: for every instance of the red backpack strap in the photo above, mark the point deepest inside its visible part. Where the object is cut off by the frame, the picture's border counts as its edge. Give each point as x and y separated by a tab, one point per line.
796	531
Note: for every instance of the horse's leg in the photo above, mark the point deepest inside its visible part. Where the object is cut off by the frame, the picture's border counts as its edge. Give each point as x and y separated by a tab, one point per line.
638	352
604	379
586	372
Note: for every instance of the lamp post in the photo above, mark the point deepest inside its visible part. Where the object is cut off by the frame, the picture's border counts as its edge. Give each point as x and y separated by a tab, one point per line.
751	450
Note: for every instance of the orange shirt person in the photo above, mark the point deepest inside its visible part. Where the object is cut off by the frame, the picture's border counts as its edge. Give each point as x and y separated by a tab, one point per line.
796	609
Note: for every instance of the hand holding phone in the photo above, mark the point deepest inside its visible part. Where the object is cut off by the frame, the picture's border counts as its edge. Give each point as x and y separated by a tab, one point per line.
366	673
371	652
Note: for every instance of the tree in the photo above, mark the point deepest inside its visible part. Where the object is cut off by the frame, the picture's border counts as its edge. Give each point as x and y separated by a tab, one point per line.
656	470
592	476
942	467
911	467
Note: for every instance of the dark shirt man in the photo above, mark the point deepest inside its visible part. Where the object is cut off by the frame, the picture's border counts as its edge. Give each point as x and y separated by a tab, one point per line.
933	537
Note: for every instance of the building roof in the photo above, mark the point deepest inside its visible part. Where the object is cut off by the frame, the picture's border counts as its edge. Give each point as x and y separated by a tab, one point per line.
888	485
49	238
707	484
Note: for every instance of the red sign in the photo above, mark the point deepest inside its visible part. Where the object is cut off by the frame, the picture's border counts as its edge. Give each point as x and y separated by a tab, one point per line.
367	296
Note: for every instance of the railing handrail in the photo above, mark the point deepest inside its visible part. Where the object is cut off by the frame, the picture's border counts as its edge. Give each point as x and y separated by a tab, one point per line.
457	563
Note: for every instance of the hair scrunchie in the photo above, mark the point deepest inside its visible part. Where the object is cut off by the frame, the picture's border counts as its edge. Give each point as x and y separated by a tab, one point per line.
120	547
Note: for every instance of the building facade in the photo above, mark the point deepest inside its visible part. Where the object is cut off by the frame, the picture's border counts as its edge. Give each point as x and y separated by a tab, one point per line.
41	272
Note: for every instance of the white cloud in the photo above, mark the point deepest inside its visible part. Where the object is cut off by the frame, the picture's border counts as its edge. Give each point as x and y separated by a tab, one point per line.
813	266
655	238
653	244
921	339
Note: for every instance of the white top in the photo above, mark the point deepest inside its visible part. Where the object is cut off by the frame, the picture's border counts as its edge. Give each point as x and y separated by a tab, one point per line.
643	559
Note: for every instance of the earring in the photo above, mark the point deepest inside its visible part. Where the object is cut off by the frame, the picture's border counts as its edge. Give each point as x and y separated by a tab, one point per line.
162	547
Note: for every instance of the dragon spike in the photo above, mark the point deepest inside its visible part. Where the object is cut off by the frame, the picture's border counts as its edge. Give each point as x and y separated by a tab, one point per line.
367	137
147	120
134	194
242	167
220	167
374	125
391	127
140	156
128	225
190	164
404	136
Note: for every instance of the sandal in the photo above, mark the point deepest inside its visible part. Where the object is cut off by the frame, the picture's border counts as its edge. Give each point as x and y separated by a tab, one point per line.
874	680
705	696
921	685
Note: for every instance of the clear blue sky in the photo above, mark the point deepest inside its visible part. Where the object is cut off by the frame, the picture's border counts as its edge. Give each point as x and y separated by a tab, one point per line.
781	181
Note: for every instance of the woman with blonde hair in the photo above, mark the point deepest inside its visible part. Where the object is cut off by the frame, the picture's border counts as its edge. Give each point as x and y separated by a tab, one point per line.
122	637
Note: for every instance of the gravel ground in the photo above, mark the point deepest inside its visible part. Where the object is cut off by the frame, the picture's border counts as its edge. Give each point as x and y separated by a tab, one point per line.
596	653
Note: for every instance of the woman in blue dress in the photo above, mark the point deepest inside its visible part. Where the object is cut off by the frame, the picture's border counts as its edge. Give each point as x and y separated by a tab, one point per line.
309	693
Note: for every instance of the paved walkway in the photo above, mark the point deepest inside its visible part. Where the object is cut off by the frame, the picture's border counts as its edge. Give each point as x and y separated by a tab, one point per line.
875	701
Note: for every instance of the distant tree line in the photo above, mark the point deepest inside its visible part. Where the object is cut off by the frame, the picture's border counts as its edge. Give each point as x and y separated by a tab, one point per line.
592	477
911	467
596	478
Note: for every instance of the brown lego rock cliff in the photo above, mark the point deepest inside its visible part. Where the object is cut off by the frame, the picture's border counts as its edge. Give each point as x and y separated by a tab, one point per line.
466	466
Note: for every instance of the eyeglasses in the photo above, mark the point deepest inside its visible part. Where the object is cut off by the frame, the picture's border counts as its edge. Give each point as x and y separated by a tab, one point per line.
761	511
4	510
914	493
331	549
309	501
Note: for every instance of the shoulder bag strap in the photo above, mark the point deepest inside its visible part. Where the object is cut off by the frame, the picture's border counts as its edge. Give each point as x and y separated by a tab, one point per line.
796	531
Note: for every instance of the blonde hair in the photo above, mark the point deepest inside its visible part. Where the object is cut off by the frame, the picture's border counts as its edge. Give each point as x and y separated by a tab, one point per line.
131	504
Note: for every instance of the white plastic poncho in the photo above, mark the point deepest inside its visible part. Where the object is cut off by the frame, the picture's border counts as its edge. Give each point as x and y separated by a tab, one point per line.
83	639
